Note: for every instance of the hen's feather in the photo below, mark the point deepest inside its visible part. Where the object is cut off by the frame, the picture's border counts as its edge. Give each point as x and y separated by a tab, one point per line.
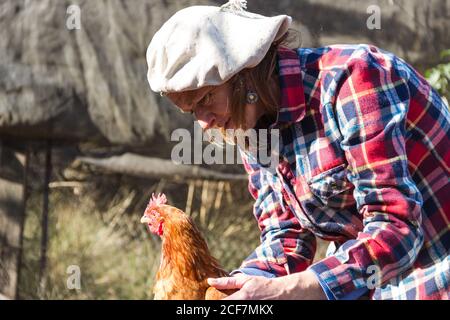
186	262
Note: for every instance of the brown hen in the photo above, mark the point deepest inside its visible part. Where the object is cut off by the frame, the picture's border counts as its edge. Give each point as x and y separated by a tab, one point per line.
186	262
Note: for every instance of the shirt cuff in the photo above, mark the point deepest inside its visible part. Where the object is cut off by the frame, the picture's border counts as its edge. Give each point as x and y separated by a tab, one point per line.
332	284
328	293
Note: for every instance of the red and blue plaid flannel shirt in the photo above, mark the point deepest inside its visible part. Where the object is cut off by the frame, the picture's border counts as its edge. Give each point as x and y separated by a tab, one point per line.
365	143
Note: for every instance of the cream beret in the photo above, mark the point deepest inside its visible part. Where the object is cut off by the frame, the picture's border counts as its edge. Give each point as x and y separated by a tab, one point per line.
207	45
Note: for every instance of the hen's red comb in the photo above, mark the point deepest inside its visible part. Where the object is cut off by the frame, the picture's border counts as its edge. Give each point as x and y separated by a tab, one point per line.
157	200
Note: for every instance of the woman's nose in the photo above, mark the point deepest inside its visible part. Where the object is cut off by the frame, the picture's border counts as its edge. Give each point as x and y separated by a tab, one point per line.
205	119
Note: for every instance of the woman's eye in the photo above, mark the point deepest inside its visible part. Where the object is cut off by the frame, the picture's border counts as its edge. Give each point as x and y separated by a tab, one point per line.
206	100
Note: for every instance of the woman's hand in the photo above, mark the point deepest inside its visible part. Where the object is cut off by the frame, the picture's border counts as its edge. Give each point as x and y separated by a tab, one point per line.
298	286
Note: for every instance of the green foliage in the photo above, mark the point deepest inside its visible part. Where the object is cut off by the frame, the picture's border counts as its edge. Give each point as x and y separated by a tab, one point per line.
439	76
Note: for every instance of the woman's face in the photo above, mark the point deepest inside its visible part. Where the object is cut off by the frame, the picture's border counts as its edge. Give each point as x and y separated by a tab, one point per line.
211	107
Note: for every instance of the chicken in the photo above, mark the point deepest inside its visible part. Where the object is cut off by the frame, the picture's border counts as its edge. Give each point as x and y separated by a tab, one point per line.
186	262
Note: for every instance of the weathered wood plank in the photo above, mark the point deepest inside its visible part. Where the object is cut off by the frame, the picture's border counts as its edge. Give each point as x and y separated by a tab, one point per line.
11	215
148	167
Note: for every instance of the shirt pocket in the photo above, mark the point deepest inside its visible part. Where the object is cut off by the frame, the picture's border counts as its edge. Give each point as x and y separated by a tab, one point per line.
332	187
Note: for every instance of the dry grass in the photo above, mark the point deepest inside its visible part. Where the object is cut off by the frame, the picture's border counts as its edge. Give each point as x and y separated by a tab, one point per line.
117	256
113	266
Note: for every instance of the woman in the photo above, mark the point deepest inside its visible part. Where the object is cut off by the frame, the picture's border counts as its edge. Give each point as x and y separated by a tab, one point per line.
364	159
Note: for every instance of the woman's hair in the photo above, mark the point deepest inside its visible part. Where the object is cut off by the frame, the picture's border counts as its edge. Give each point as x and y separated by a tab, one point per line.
262	79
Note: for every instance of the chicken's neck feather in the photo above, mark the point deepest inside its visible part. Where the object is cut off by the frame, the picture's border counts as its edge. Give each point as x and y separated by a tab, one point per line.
185	252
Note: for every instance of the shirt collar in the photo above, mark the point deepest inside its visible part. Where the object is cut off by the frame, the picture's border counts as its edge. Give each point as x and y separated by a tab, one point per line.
292	100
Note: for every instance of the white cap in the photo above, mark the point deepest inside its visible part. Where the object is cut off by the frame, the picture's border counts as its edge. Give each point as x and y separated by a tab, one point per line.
207	45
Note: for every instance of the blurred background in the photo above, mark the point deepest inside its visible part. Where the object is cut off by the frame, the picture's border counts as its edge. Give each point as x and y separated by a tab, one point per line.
84	142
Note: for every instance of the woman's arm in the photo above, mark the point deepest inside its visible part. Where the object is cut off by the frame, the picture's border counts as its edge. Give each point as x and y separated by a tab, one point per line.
371	110
276	269
296	286
285	247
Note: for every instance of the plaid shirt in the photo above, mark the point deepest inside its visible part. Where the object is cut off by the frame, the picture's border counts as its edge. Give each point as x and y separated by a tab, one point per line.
365	145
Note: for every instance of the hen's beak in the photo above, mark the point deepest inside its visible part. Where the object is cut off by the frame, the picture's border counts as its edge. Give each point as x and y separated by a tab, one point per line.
145	219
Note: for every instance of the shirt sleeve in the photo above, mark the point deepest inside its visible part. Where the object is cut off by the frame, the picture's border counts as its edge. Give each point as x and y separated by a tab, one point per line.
371	108
285	246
